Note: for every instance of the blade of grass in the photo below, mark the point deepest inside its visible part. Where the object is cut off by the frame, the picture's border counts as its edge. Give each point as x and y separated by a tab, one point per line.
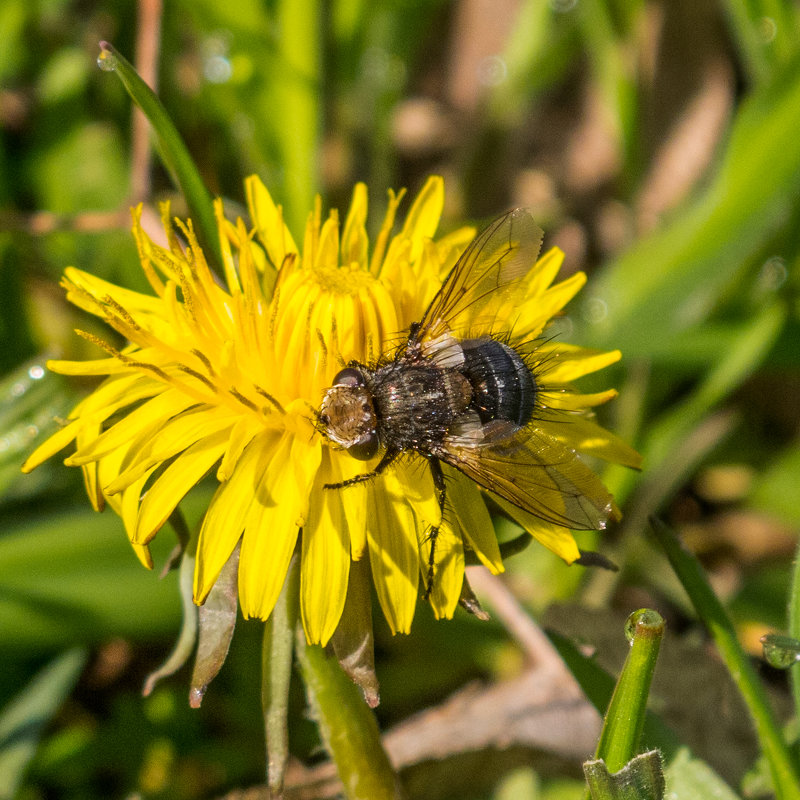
670	281
297	105
171	149
22	719
784	772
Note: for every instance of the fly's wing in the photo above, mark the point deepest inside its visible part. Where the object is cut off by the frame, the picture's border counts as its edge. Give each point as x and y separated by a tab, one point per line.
534	472
490	267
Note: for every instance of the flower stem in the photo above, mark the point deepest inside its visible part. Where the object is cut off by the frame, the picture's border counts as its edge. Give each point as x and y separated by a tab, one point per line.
624	720
784	773
347	725
276	671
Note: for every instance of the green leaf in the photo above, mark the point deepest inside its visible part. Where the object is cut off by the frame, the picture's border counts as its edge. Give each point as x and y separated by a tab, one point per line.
72	577
689	778
23	719
670	281
30	398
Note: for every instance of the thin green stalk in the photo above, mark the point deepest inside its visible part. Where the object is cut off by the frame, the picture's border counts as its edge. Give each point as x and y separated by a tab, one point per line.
171	149
276	671
784	772
624	720
296	118
347	725
794	628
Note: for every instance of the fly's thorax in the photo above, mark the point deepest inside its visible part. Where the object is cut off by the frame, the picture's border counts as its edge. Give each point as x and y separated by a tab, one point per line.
347	414
417	402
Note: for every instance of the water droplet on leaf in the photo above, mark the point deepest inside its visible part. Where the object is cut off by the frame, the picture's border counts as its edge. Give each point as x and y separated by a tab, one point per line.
780	651
644	616
107	61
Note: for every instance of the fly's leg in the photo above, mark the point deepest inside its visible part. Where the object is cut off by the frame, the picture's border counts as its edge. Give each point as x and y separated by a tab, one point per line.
388	457
439	485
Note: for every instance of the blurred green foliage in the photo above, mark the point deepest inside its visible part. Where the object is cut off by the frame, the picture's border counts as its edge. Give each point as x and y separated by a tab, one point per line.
702	300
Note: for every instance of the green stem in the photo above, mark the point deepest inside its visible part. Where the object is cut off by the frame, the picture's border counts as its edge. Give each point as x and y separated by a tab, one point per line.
784	774
276	672
794	628
622	727
347	725
297	105
171	149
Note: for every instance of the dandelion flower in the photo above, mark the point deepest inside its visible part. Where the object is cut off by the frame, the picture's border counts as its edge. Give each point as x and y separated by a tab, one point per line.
228	377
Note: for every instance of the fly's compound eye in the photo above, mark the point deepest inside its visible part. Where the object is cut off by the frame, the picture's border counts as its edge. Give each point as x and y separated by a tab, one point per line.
349	377
365	448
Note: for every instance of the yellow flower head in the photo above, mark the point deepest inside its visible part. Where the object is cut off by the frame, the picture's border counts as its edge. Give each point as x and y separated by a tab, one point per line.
230	378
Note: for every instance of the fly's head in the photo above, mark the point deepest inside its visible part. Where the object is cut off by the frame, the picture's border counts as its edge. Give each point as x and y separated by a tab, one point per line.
347	414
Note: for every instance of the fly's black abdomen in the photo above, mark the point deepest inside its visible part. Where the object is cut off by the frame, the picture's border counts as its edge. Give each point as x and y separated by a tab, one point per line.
503	386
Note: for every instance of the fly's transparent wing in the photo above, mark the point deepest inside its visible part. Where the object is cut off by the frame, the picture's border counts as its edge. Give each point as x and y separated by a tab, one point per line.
534	472
489	268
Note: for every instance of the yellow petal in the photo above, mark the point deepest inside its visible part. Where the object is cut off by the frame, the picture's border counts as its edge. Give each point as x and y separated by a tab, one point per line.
353	498
537	312
228	511
415	476
325	563
448	571
100	366
585	435
555	538
241	435
48	448
174	437
423	216
143	554
474	520
393	551
562	363
354	234
544	272
268	221
150	416
178	478
273	523
566	400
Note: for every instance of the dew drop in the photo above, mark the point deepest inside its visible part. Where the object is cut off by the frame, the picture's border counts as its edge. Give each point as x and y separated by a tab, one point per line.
644	616
780	651
563	6
767	29
773	274
196	696
595	310
107	61
36	372
492	71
